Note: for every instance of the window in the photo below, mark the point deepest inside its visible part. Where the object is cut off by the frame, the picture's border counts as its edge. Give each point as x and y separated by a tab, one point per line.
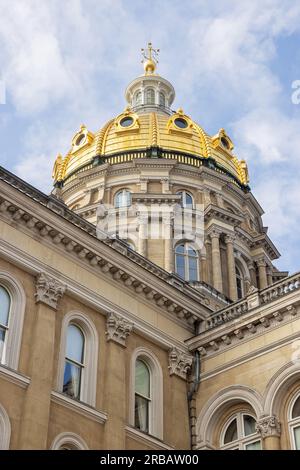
186	261
186	199
138	98
68	441
5	429
239	283
78	358
12	307
150	96
4	319
162	99
294	422
122	198
240	433
74	362
146	393
142	396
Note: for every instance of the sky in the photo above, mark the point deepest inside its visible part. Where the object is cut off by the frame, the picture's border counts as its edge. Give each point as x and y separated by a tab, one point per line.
234	65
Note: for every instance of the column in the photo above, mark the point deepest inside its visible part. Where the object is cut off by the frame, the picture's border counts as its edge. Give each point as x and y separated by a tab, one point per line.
36	410
252	272
143	233
117	331
167	221
270	429
203	266
269	276
229	239
206	197
216	260
262	273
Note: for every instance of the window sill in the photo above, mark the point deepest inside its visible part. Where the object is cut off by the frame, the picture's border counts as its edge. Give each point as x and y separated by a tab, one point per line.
147	439
14	377
79	407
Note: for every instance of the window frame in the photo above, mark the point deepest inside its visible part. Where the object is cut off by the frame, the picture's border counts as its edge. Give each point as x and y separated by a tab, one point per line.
6	327
121	192
148	399
80	365
90	375
68	439
183	194
149	89
293	422
239	276
186	257
5	429
242	440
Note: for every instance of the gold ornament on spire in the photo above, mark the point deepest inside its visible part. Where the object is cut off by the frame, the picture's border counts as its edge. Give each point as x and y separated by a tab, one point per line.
150	59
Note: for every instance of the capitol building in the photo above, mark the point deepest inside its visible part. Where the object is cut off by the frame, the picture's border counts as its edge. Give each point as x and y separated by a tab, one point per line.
139	304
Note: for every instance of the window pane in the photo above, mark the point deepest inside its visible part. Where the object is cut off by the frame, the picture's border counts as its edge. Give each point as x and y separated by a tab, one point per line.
138	98
297	437
142	379
72	378
249	425
123	199
254	446
150	97
141	413
180	249
162	100
193	274
188	200
180	266
2	338
75	344
296	408
231	433
4	306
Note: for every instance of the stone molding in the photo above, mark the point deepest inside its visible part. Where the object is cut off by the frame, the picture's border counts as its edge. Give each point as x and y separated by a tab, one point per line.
179	363
48	290
117	328
268	426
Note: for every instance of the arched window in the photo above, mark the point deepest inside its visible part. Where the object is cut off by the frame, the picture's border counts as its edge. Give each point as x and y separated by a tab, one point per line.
142	401
5	303
186	199
239	283
146	393
74	362
138	98
12	307
150	96
5	429
77	371
162	99
123	198
294	422
239	433
68	441
186	261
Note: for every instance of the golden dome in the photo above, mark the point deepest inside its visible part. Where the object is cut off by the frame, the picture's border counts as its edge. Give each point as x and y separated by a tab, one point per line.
134	135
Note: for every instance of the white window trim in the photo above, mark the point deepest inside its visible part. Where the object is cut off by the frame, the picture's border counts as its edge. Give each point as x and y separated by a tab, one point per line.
186	260
5	429
242	441
293	422
68	438
156	408
183	193
89	372
122	191
16	319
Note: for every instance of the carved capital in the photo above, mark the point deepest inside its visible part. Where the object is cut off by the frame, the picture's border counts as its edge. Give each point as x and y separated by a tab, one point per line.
179	363
261	262
229	239
117	328
215	233
268	426
48	290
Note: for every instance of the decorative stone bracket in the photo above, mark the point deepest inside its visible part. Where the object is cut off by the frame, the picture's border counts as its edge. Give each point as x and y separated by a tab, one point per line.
48	290
268	426
117	328
179	363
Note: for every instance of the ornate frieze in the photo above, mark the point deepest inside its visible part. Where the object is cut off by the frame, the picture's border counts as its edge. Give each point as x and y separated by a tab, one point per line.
268	426
179	363
48	290
117	328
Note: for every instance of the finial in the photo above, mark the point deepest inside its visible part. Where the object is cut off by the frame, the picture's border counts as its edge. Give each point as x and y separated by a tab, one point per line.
150	59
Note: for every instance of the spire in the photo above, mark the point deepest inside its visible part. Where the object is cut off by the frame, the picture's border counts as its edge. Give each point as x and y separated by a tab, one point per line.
150	59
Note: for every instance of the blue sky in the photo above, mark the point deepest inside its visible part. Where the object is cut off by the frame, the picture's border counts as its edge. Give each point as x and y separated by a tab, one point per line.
232	64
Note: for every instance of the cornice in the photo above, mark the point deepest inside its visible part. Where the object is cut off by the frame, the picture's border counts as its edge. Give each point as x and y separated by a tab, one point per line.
213	211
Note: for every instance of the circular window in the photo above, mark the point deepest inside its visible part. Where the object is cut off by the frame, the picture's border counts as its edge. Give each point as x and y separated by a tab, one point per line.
179	122
80	139
126	121
225	142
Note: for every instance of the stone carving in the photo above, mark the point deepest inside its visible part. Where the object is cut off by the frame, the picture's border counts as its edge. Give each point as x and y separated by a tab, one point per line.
179	363
117	328
268	426
48	290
